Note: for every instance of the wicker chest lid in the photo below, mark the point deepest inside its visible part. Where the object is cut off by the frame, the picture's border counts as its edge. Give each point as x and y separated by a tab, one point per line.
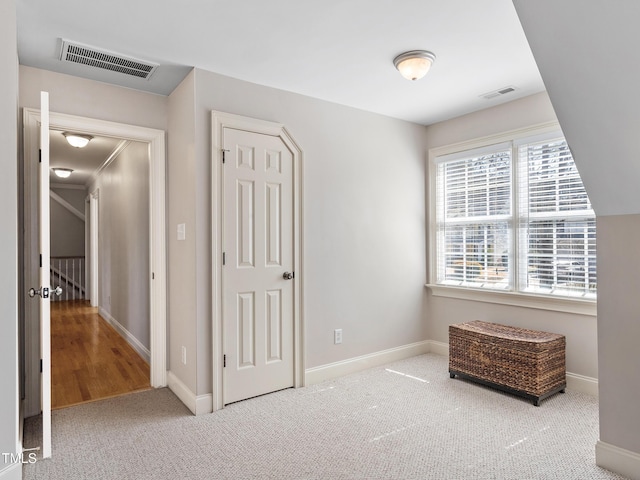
514	335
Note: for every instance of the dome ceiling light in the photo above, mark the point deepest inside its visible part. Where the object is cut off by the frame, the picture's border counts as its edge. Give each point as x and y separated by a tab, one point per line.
415	64
77	140
62	172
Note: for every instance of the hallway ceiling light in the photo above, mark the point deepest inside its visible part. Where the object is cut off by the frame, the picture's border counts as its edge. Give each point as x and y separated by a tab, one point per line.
77	140
62	172
415	64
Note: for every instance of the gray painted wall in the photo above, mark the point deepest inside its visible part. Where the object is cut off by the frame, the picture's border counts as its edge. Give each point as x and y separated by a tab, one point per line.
9	393
67	230
76	197
181	208
123	238
87	98
619	330
580	330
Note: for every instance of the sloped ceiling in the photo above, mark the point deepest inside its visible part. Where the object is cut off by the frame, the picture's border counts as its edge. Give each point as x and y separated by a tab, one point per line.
588	55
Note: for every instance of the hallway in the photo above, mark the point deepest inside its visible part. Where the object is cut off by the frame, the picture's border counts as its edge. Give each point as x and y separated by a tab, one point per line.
89	359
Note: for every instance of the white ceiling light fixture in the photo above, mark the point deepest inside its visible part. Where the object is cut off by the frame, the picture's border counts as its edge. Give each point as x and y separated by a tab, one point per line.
415	64
77	140
62	172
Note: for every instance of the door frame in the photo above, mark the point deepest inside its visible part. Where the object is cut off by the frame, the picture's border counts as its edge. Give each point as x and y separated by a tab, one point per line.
93	260
220	121
157	237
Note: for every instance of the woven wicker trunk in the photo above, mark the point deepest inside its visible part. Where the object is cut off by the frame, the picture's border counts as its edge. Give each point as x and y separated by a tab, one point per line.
525	362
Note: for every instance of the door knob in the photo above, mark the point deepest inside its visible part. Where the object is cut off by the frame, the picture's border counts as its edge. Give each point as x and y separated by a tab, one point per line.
42	291
287	275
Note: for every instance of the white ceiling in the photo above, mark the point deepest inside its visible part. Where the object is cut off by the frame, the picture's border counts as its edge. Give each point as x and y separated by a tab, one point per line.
336	50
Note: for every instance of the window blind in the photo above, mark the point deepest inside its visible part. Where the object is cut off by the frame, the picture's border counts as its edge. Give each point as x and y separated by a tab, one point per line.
515	216
476	208
557	223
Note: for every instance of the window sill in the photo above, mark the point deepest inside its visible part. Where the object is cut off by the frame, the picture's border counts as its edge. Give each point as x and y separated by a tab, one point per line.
542	302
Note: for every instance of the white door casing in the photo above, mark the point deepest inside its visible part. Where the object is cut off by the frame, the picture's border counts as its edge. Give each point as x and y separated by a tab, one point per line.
94	285
87	245
257	228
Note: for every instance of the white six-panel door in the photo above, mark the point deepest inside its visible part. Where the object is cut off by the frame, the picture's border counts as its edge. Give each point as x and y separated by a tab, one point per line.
258	277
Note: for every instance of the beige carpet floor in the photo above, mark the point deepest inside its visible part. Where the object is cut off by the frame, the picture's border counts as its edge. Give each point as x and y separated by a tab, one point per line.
406	420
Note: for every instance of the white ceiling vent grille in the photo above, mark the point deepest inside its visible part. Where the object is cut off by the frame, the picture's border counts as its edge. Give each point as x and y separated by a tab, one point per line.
86	55
497	93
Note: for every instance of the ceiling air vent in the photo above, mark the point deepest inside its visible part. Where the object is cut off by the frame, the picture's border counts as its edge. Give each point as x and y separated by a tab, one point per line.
497	93
86	55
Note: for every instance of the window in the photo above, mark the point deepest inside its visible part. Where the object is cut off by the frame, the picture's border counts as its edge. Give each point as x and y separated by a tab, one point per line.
515	217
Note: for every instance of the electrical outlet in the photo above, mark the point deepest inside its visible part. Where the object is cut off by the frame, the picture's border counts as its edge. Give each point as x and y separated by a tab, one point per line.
337	336
184	355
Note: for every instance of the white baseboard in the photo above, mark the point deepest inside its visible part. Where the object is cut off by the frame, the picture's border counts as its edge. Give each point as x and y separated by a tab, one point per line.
204	404
580	383
12	472
337	369
618	460
126	334
197	404
439	348
575	382
185	395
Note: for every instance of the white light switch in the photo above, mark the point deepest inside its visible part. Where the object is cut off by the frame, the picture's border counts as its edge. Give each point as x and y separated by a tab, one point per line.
182	231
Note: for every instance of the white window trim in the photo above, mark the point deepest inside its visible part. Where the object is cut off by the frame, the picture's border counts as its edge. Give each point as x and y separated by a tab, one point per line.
517	299
520	299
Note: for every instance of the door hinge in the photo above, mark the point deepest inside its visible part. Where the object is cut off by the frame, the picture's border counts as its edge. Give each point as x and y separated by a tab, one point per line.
224	361
224	157
40	260
40	156
40	365
153	276
224	258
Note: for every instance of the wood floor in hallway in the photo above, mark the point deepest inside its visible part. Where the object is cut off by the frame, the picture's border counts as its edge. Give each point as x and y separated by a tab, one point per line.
89	359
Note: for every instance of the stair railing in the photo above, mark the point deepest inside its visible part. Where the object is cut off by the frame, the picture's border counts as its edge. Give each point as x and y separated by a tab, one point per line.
69	273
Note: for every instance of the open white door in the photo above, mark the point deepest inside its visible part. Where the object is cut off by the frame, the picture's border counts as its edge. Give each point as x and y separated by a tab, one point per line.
44	291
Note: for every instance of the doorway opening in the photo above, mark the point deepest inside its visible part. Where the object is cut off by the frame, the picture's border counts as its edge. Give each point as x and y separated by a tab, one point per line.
153	143
99	243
